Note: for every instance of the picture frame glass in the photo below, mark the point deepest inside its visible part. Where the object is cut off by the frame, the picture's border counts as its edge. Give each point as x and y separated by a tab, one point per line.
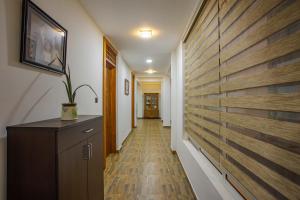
44	41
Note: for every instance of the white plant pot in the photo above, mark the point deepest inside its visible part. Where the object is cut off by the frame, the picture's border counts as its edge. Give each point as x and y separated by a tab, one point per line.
69	112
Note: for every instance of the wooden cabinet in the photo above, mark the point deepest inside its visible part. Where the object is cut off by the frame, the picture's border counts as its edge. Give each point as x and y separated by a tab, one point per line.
73	173
95	176
151	105
56	160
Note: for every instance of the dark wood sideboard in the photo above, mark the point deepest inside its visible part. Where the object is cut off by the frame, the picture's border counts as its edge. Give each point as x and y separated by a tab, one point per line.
56	160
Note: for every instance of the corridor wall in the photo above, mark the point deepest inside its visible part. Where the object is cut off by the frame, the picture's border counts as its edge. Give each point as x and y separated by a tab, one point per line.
140	101
242	93
166	101
124	126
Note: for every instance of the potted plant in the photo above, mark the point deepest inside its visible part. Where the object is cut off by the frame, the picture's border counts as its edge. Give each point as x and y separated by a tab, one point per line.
69	110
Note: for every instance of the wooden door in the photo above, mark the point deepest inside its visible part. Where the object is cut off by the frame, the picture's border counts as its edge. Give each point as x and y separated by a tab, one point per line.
110	110
95	166
151	106
109	99
73	173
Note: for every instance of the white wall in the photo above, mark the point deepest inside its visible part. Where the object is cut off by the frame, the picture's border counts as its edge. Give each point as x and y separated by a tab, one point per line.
166	101
174	109
123	102
160	104
29	94
206	181
140	102
135	102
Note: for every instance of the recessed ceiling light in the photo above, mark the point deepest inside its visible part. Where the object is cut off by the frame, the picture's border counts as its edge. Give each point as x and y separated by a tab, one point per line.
146	33
150	71
149	61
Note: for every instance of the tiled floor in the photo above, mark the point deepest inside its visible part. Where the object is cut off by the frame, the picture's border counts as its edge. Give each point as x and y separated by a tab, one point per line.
146	168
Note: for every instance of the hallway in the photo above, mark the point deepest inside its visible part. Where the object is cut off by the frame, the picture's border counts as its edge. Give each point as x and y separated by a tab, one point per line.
150	99
146	168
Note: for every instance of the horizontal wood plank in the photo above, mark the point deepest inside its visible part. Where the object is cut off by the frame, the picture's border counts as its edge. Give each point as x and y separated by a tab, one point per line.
212	139
210	150
199	27
256	11
205	46
213	127
211	114
225	6
211	89
209	65
278	21
235	14
246	180
282	129
279	48
273	153
209	53
278	75
204	102
204	35
209	77
278	102
277	181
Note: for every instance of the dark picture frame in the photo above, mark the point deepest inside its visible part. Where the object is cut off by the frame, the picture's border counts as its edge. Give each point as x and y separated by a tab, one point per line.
43	40
126	87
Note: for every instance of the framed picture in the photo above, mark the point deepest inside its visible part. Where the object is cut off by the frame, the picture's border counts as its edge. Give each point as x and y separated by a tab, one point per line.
43	40
126	87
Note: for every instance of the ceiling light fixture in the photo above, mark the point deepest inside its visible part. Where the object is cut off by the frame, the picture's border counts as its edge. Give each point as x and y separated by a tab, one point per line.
149	61
150	71
146	34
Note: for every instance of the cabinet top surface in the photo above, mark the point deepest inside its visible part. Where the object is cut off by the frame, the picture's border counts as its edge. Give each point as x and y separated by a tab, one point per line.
57	123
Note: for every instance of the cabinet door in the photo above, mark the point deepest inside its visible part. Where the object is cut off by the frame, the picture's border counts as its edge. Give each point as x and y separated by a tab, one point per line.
95	168
151	108
73	173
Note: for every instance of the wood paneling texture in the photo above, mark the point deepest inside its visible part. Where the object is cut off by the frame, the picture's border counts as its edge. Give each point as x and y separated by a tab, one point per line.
202	83
242	93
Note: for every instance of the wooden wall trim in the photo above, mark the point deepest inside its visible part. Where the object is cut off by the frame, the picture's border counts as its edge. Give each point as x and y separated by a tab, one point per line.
109	98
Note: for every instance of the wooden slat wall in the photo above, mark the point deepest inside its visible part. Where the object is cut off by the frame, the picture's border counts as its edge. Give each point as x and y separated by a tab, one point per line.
242	93
202	117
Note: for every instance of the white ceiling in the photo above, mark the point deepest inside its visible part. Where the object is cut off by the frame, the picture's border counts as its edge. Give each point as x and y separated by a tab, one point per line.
121	19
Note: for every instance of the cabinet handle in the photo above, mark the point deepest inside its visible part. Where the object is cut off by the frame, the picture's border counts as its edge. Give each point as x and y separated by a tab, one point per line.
85	152
90	150
88	130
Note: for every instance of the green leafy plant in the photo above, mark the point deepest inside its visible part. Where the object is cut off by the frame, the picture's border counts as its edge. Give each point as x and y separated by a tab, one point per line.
68	85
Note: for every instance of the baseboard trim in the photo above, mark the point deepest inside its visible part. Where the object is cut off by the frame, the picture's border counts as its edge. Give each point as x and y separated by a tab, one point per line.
206	181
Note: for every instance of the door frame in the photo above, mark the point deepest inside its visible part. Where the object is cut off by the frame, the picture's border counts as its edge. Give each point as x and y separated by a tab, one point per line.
109	107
